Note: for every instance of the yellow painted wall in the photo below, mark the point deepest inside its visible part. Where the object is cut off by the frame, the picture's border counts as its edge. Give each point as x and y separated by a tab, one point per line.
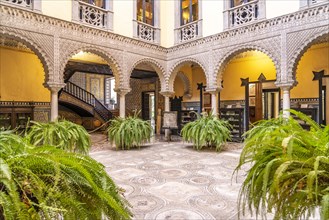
167	22
88	57
212	17
251	66
315	59
123	17
61	9
276	8
21	77
178	87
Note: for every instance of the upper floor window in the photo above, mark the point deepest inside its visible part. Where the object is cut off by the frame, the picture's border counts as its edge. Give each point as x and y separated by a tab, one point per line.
235	3
189	11
98	3
145	11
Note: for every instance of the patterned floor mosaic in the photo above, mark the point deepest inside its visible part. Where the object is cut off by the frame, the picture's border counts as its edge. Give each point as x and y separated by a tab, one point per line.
174	182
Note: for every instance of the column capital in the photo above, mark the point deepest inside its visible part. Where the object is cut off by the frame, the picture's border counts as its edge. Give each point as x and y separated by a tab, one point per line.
285	85
213	91
167	93
54	86
122	91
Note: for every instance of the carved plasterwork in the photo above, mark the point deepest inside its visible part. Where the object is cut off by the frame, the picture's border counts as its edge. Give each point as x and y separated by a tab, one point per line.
284	39
176	65
186	83
158	67
69	48
269	47
297	46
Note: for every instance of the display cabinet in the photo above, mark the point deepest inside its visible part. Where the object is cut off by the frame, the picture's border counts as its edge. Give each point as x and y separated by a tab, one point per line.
187	116
15	117
235	117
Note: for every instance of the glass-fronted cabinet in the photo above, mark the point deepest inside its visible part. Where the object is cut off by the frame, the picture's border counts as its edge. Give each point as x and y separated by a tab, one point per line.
15	117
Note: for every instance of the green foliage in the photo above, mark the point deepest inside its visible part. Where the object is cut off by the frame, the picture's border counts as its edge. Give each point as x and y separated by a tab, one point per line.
207	130
129	132
48	183
290	169
62	134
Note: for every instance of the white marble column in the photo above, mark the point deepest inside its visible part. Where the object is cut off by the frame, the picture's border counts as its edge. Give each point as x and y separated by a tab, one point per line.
54	89
167	95
214	100
286	100
122	100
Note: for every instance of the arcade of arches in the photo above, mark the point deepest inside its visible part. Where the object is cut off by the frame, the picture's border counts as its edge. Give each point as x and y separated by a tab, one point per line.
91	96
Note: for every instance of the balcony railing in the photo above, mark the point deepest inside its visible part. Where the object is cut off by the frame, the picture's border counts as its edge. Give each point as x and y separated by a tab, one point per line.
243	14
20	3
91	15
146	32
188	31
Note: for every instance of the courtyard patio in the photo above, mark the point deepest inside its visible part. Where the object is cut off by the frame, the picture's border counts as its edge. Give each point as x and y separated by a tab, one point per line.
173	181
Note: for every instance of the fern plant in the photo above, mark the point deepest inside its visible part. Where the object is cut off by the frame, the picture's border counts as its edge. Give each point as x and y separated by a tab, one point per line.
62	134
48	183
290	169
129	132
207	130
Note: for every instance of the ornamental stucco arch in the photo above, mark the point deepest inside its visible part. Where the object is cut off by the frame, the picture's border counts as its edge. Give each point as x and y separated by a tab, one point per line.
224	60
176	67
114	66
302	48
37	49
159	69
186	83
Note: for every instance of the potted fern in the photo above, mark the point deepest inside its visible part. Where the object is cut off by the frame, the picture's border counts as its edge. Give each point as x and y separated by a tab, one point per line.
208	130
289	172
129	132
45	182
62	134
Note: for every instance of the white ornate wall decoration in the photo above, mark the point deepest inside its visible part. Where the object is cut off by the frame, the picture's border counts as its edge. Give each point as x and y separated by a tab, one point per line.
187	85
298	46
68	49
155	64
175	66
229	53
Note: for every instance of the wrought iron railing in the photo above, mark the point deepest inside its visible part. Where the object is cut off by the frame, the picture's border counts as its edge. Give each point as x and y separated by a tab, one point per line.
243	14
88	98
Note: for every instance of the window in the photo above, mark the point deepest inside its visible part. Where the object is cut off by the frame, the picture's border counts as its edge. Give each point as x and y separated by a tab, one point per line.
145	11
235	3
189	11
98	3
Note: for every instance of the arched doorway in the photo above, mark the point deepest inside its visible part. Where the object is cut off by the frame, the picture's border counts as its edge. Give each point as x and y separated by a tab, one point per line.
22	77
188	81
89	97
310	95
248	91
146	82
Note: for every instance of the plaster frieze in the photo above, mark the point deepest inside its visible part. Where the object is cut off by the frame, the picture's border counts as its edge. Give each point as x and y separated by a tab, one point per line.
158	66
271	47
175	65
298	43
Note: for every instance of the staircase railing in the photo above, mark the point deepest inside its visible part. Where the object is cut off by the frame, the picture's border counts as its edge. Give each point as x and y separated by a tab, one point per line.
88	98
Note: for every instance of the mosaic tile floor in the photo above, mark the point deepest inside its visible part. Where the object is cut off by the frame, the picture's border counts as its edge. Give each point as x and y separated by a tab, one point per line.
174	182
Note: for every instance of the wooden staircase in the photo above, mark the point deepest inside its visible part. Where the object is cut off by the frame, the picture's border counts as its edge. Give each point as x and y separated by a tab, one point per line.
81	98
